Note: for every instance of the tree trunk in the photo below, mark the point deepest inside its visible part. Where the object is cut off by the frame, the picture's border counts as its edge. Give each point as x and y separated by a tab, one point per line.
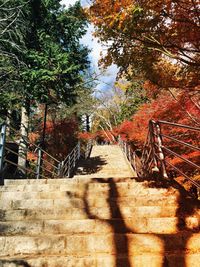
22	160
44	126
8	122
87	123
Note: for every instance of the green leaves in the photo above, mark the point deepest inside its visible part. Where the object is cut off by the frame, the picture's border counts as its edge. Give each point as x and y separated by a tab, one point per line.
41	50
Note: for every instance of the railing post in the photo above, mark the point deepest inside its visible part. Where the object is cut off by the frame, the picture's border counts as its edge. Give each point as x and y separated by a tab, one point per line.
86	151
160	151
125	149
152	144
74	162
60	164
88	148
129	153
134	161
2	149
39	161
69	166
79	150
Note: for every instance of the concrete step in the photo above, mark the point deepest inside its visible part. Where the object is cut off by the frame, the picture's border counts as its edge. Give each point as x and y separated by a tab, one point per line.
78	179
81	191
166	225
112	244
102	260
82	213
73	202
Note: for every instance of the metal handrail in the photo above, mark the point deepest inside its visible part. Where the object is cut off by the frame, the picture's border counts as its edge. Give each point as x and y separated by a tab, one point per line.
130	155
32	144
180	142
44	165
155	143
88	148
38	167
179	125
154	153
70	162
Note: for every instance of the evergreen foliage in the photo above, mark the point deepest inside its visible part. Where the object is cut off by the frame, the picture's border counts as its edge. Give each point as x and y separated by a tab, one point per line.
41	58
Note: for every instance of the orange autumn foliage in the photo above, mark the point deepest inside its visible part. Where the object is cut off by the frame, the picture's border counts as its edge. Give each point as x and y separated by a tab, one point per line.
165	107
158	39
61	137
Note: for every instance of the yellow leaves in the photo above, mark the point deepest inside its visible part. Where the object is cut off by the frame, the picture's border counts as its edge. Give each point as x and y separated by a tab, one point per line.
123	85
168	72
159	38
113	12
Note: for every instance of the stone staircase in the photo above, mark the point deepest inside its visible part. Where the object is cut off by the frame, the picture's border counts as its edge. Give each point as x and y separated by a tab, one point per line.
91	221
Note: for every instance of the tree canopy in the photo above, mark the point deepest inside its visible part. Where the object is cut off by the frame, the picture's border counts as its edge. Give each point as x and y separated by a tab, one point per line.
159	39
41	58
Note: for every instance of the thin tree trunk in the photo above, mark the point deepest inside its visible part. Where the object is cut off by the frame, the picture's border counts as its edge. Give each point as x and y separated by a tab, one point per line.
87	123
44	126
22	160
8	122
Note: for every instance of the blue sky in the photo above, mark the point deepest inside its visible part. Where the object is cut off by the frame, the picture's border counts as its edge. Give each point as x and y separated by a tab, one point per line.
108	78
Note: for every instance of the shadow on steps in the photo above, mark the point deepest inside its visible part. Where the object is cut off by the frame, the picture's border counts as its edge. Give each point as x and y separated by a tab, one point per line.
90	166
14	263
186	207
122	253
120	247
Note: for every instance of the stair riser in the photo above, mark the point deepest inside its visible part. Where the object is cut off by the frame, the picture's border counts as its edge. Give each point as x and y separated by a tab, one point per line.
143	260
64	181
140	225
92	202
83	187
94	244
101	213
103	193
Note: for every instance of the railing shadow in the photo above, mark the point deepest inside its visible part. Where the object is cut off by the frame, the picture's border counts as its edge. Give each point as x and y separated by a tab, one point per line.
186	207
121	246
115	221
20	263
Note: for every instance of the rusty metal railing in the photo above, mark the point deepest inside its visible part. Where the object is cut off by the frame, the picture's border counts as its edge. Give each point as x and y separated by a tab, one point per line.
35	161
88	148
158	156
131	156
69	163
